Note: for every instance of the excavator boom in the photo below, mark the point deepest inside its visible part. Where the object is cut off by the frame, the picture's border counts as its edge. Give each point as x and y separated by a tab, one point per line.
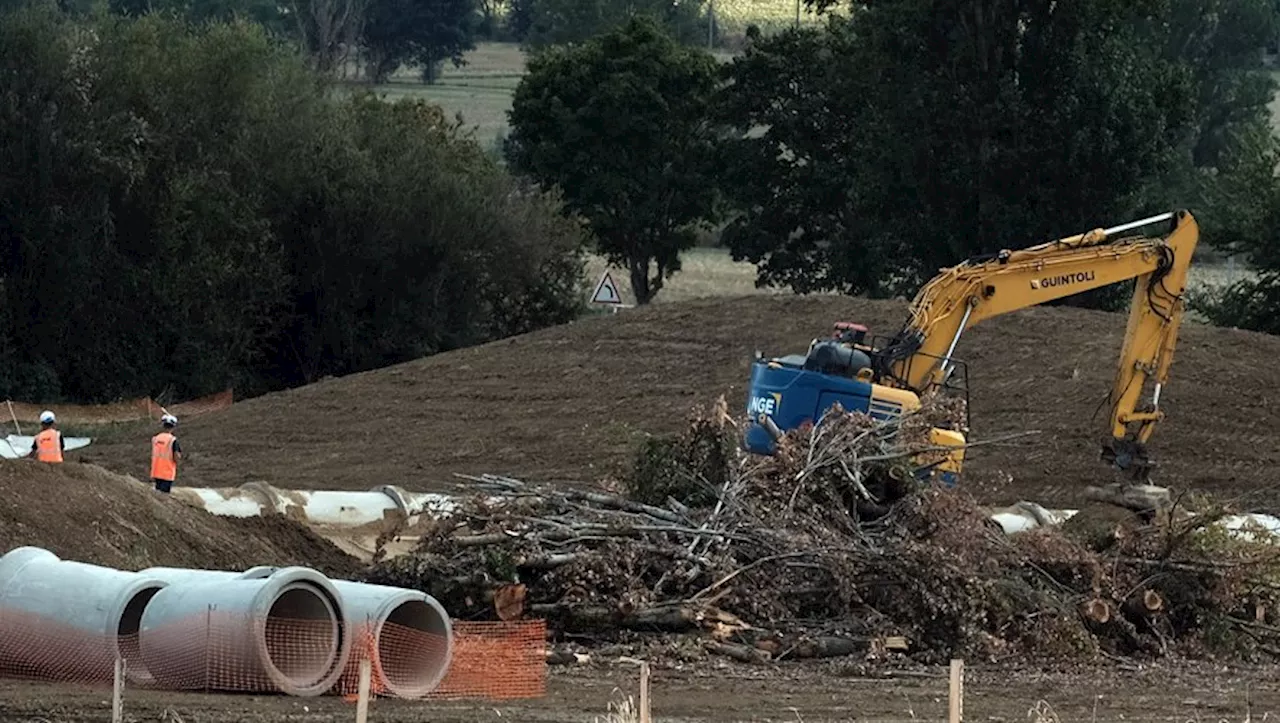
919	359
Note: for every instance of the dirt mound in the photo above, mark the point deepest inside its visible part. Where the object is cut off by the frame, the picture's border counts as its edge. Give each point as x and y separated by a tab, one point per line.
572	402
85	513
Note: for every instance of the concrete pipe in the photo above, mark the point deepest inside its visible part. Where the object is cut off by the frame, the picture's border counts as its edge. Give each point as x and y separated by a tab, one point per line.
70	620
283	630
325	507
409	632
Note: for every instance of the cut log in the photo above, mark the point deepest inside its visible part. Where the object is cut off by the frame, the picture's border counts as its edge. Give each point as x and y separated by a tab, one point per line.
623	503
667	618
1139	498
825	647
547	562
1096	610
564	657
895	642
740	653
508	601
1098	526
1143	604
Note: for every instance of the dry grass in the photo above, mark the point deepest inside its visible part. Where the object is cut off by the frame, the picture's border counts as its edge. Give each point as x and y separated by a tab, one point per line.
621	711
479	92
712	272
707	272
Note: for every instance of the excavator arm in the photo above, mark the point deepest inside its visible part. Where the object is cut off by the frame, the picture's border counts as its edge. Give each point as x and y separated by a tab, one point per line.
919	358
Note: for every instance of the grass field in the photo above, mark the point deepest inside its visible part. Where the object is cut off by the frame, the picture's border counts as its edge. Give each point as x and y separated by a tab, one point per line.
712	272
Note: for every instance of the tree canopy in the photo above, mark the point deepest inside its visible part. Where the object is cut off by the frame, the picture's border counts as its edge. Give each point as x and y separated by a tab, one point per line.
907	135
622	125
420	32
186	208
542	23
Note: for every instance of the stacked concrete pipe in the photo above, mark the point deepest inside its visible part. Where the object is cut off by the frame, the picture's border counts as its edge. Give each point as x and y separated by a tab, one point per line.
380	613
223	630
70	620
376	614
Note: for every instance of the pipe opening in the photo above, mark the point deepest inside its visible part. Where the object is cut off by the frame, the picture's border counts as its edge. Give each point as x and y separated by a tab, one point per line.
130	625
412	644
303	634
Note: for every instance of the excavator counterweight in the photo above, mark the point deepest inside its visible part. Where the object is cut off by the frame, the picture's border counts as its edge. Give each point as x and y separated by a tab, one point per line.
889	379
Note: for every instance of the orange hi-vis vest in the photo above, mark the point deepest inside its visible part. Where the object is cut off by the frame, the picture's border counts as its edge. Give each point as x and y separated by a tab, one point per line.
162	464
49	446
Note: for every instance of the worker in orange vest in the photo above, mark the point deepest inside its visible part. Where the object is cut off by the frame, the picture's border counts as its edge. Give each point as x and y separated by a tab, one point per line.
48	445
165	455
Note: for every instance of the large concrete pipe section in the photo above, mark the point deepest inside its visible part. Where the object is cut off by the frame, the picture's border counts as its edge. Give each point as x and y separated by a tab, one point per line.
407	634
344	508
70	620
282	630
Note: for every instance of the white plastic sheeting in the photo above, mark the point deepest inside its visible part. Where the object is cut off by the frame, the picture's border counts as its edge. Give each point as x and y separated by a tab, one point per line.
17	446
1028	516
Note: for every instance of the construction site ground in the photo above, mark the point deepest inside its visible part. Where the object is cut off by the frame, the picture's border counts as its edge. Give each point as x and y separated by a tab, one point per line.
568	404
799	694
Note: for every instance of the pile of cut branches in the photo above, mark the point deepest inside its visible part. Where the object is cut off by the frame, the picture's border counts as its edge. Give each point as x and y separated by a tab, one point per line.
829	547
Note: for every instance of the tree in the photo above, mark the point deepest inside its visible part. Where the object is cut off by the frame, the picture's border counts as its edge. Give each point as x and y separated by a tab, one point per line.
266	13
1248	185
425	32
328	29
540	23
913	134
186	206
621	125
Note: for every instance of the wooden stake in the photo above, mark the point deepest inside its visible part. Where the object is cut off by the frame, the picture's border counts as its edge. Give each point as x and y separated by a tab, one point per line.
117	692
645	716
362	702
957	691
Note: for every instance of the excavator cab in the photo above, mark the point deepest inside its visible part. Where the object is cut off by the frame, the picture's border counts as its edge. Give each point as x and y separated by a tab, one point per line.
792	391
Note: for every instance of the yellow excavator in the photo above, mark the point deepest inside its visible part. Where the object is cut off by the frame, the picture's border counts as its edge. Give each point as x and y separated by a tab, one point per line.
886	379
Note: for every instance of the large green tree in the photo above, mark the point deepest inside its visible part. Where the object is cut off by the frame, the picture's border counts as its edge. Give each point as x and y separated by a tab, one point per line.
188	208
621	124
422	32
540	23
907	135
1250	187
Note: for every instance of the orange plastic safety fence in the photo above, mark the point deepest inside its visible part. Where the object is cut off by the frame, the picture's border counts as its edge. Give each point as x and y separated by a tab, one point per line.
196	407
123	411
235	652
128	410
497	661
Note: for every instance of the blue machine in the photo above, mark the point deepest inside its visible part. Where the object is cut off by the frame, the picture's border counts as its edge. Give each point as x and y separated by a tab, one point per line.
784	391
788	392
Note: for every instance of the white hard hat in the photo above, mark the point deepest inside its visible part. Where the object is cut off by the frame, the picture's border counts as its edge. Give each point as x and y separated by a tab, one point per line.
169	420
46	417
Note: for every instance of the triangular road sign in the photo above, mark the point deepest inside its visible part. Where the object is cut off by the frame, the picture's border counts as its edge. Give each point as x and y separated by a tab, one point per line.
606	292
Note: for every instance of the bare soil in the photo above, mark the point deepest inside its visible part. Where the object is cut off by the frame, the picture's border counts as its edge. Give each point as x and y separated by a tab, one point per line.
568	403
791	694
85	513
